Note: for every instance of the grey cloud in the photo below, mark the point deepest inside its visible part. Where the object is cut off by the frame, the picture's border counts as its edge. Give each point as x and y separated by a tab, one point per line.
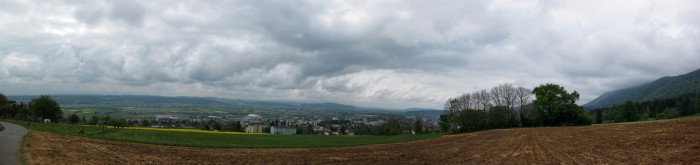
128	11
386	53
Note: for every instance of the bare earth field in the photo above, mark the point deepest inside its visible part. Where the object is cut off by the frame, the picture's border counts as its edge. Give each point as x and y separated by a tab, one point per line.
663	142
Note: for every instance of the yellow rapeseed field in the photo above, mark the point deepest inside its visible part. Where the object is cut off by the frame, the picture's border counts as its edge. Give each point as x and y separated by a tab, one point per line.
187	130
195	130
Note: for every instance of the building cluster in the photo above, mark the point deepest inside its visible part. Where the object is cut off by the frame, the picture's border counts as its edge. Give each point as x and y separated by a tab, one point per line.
253	123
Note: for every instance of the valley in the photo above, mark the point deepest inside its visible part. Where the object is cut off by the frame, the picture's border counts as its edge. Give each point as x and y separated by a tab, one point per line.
659	142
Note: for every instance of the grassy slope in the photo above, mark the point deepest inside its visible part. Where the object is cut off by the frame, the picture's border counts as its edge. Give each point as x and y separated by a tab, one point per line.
195	139
1	127
695	116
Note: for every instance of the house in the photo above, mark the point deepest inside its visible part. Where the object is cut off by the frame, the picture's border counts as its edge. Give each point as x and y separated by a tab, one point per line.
283	130
255	127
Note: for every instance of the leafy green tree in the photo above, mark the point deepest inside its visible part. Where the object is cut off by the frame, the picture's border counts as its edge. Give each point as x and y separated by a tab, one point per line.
502	117
106	119
233	126
216	126
391	127
695	105
94	120
444	122
418	126
118	123
599	117
555	107
73	119
6	110
3	100
628	113
145	123
310	130
47	108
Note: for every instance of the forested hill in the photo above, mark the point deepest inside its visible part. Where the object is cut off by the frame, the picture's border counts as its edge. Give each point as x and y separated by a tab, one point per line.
665	87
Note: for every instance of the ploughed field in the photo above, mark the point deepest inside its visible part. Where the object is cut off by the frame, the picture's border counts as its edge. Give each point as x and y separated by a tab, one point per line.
671	141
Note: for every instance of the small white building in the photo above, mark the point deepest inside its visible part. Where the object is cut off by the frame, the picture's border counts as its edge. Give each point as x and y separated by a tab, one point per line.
283	130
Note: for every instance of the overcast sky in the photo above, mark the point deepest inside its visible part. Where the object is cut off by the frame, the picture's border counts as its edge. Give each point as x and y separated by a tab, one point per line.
392	54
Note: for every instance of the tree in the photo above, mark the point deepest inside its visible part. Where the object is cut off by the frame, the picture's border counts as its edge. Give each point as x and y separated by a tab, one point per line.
501	117
310	130
73	119
145	123
106	120
629	112
483	100
464	101
118	123
418	125
47	108
233	126
555	107
3	100
216	126
94	120
599	117
444	123
523	95
6	110
504	95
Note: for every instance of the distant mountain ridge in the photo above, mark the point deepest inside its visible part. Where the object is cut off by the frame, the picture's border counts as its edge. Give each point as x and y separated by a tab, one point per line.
664	87
194	102
423	112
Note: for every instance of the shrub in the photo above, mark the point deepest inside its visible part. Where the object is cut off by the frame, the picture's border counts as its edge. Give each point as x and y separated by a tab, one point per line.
668	113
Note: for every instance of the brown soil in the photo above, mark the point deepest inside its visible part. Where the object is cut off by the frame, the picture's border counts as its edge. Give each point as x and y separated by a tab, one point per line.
665	142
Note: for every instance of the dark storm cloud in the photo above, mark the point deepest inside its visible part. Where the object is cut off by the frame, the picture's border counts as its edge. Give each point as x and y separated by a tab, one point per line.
377	53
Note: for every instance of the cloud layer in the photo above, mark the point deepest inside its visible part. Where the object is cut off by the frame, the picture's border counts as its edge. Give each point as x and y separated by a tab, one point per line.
395	54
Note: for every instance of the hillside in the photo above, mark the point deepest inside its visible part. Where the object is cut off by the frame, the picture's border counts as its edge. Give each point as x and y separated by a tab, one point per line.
423	112
664	87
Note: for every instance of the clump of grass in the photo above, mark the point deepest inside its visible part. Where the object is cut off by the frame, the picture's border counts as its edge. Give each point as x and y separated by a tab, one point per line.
25	148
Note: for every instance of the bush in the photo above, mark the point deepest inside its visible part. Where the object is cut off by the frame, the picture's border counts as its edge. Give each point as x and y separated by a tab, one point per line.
668	113
73	119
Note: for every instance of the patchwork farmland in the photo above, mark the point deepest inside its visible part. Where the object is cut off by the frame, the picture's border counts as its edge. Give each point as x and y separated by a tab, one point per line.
670	141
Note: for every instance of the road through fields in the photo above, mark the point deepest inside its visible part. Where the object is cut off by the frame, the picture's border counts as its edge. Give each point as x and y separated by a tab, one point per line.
10	139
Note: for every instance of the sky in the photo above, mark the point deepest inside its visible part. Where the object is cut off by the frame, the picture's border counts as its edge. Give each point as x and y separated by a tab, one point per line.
388	54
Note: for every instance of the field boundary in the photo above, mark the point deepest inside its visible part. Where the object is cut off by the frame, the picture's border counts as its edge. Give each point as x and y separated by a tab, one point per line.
210	139
25	148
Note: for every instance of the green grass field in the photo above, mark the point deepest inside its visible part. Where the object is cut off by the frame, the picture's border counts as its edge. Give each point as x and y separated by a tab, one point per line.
220	140
695	116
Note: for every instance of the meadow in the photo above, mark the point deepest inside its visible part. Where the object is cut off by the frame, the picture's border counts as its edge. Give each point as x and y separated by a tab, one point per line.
211	139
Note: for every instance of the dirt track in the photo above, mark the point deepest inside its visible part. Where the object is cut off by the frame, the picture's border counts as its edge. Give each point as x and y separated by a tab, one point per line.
676	141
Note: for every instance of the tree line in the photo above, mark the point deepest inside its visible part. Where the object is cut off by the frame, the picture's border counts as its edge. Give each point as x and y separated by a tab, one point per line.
42	107
507	106
663	108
